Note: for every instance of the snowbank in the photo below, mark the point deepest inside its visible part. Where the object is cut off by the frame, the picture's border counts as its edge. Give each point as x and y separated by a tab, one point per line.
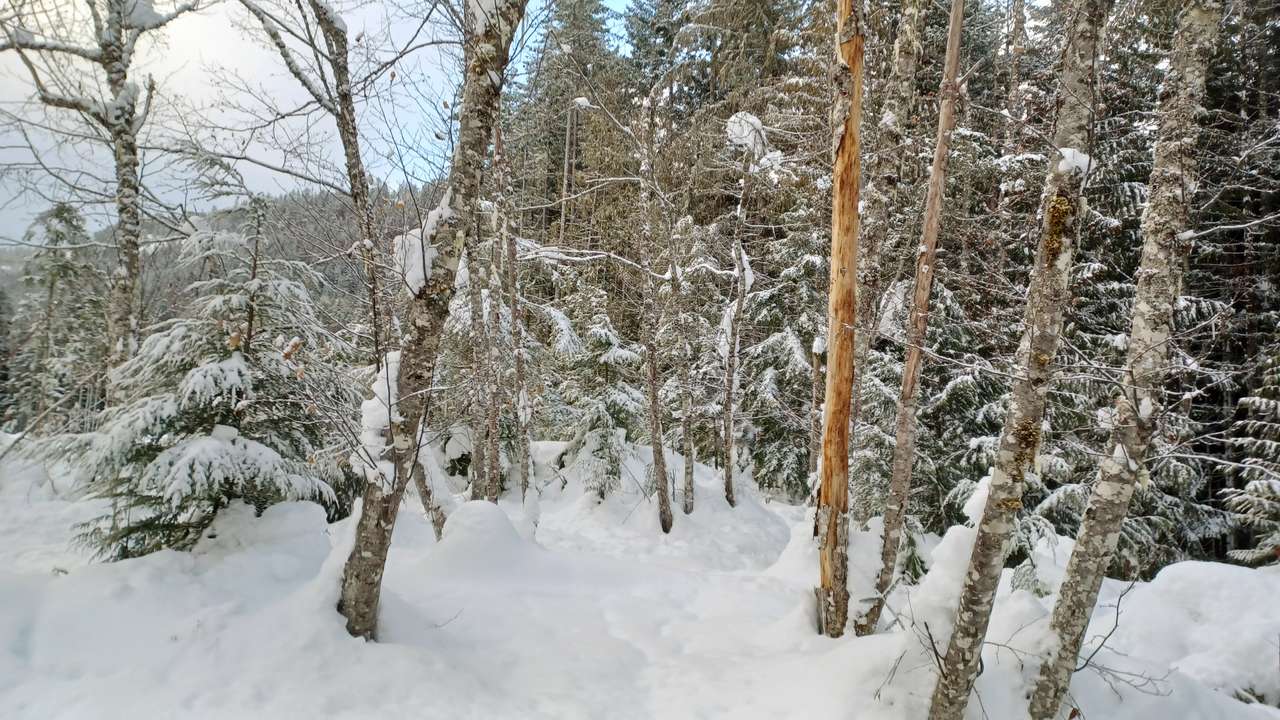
597	614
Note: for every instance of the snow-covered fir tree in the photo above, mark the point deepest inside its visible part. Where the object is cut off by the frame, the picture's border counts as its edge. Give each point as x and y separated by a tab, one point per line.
242	398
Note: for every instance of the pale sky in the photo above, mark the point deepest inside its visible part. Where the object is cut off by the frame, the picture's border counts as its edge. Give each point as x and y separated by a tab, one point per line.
191	56
194	54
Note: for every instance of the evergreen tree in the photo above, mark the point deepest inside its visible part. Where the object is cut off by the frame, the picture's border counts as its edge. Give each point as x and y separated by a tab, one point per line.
236	400
1257	440
59	329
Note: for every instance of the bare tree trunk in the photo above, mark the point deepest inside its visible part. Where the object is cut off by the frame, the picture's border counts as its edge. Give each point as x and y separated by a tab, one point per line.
904	451
1048	296
479	376
686	430
833	497
731	363
488	45
817	386
1015	103
344	112
1159	280
511	280
892	172
566	180
655	431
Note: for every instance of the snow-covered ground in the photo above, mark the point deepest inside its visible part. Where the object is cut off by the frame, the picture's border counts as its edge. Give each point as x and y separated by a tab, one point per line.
598	615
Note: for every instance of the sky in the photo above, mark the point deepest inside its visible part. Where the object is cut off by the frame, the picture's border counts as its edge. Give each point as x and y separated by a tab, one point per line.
189	60
196	52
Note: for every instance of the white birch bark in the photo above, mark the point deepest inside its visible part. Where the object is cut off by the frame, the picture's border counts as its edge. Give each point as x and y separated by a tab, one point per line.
1048	296
1165	248
488	45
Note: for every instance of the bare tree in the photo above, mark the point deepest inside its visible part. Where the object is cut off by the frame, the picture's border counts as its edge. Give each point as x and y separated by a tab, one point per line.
1165	248
833	496
891	173
904	451
61	59
1047	298
488	32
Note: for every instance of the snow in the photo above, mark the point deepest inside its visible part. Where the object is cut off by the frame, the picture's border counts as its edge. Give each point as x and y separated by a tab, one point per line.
142	14
481	12
745	130
595	613
1073	161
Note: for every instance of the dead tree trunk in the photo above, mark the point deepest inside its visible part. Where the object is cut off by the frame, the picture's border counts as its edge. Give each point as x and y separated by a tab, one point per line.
1048	297
488	45
904	451
1165	249
833	497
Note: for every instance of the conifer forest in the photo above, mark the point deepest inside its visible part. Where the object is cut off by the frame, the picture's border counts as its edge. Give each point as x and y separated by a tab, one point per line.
577	359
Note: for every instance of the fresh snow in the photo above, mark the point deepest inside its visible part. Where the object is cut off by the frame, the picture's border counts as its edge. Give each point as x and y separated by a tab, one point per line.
594	613
1073	161
745	130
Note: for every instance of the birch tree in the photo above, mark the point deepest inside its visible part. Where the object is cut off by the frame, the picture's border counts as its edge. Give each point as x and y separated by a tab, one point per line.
1061	208
917	325
430	267
61	59
832	519
1166	244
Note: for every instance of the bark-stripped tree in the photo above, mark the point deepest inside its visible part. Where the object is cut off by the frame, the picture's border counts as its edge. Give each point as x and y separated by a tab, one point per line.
489	30
1165	248
1061	209
904	451
833	495
63	54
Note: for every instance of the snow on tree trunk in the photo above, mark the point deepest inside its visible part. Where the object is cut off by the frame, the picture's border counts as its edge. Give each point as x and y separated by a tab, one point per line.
891	172
1165	248
833	497
490	29
905	446
1048	296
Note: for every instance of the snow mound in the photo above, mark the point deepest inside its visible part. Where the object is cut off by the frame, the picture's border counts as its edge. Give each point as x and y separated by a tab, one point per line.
479	524
1209	621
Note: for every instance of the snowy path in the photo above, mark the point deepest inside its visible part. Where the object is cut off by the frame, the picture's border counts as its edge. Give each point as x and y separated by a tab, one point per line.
602	617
